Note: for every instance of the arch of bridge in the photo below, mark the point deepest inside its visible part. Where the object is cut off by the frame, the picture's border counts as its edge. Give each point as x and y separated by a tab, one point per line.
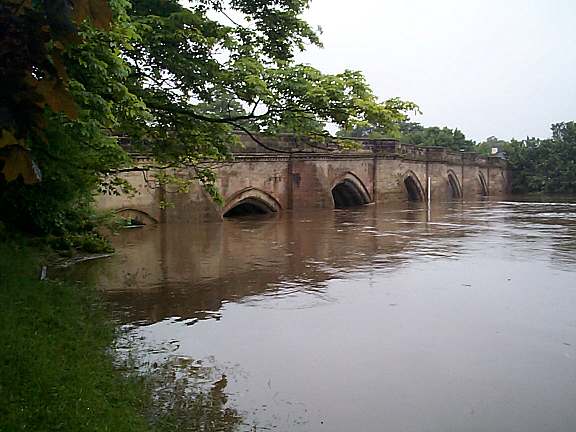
413	186
253	196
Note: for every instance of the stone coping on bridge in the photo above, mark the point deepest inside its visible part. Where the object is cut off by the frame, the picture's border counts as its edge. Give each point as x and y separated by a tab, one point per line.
290	146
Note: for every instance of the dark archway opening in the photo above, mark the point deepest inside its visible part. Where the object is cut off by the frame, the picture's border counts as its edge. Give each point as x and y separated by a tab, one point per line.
346	194
248	207
134	222
455	191
483	185
412	189
135	218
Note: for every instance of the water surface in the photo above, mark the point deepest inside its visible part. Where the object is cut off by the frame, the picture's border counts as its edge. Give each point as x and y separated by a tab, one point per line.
368	319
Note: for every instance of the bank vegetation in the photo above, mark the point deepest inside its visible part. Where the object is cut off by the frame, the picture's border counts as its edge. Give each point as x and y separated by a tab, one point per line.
59	373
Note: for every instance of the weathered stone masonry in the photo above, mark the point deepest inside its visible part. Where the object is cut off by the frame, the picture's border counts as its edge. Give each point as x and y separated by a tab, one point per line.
257	181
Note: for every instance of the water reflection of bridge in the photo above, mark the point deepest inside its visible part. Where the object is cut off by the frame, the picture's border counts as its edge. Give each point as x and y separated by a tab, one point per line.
189	271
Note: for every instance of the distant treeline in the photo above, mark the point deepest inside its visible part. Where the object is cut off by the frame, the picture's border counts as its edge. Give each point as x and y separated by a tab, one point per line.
539	164
544	165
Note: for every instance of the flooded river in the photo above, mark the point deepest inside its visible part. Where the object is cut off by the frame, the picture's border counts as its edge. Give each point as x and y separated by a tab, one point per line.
369	319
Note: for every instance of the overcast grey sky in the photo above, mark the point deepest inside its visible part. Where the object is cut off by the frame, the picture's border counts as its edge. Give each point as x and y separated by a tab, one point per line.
489	67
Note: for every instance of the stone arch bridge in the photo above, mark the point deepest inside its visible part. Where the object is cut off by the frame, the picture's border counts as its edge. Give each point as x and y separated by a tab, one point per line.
265	182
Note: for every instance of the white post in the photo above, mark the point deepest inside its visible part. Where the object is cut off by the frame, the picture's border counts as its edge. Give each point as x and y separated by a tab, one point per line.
429	195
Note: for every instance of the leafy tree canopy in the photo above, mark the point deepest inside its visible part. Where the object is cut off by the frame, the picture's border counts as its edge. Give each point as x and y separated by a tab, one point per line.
485	147
176	80
544	165
198	54
414	133
453	139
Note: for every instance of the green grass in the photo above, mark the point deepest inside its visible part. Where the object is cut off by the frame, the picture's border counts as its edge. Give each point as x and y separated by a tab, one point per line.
56	373
56	368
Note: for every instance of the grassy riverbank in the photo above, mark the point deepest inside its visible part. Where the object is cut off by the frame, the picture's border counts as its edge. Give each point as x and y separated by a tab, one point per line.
55	370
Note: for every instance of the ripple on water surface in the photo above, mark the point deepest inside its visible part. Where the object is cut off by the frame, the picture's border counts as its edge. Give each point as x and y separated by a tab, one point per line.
372	319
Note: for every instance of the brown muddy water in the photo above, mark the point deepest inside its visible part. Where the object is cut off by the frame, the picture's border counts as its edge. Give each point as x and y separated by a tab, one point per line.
366	319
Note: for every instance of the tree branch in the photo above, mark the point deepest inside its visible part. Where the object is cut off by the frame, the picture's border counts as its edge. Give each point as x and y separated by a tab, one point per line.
260	143
193	114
